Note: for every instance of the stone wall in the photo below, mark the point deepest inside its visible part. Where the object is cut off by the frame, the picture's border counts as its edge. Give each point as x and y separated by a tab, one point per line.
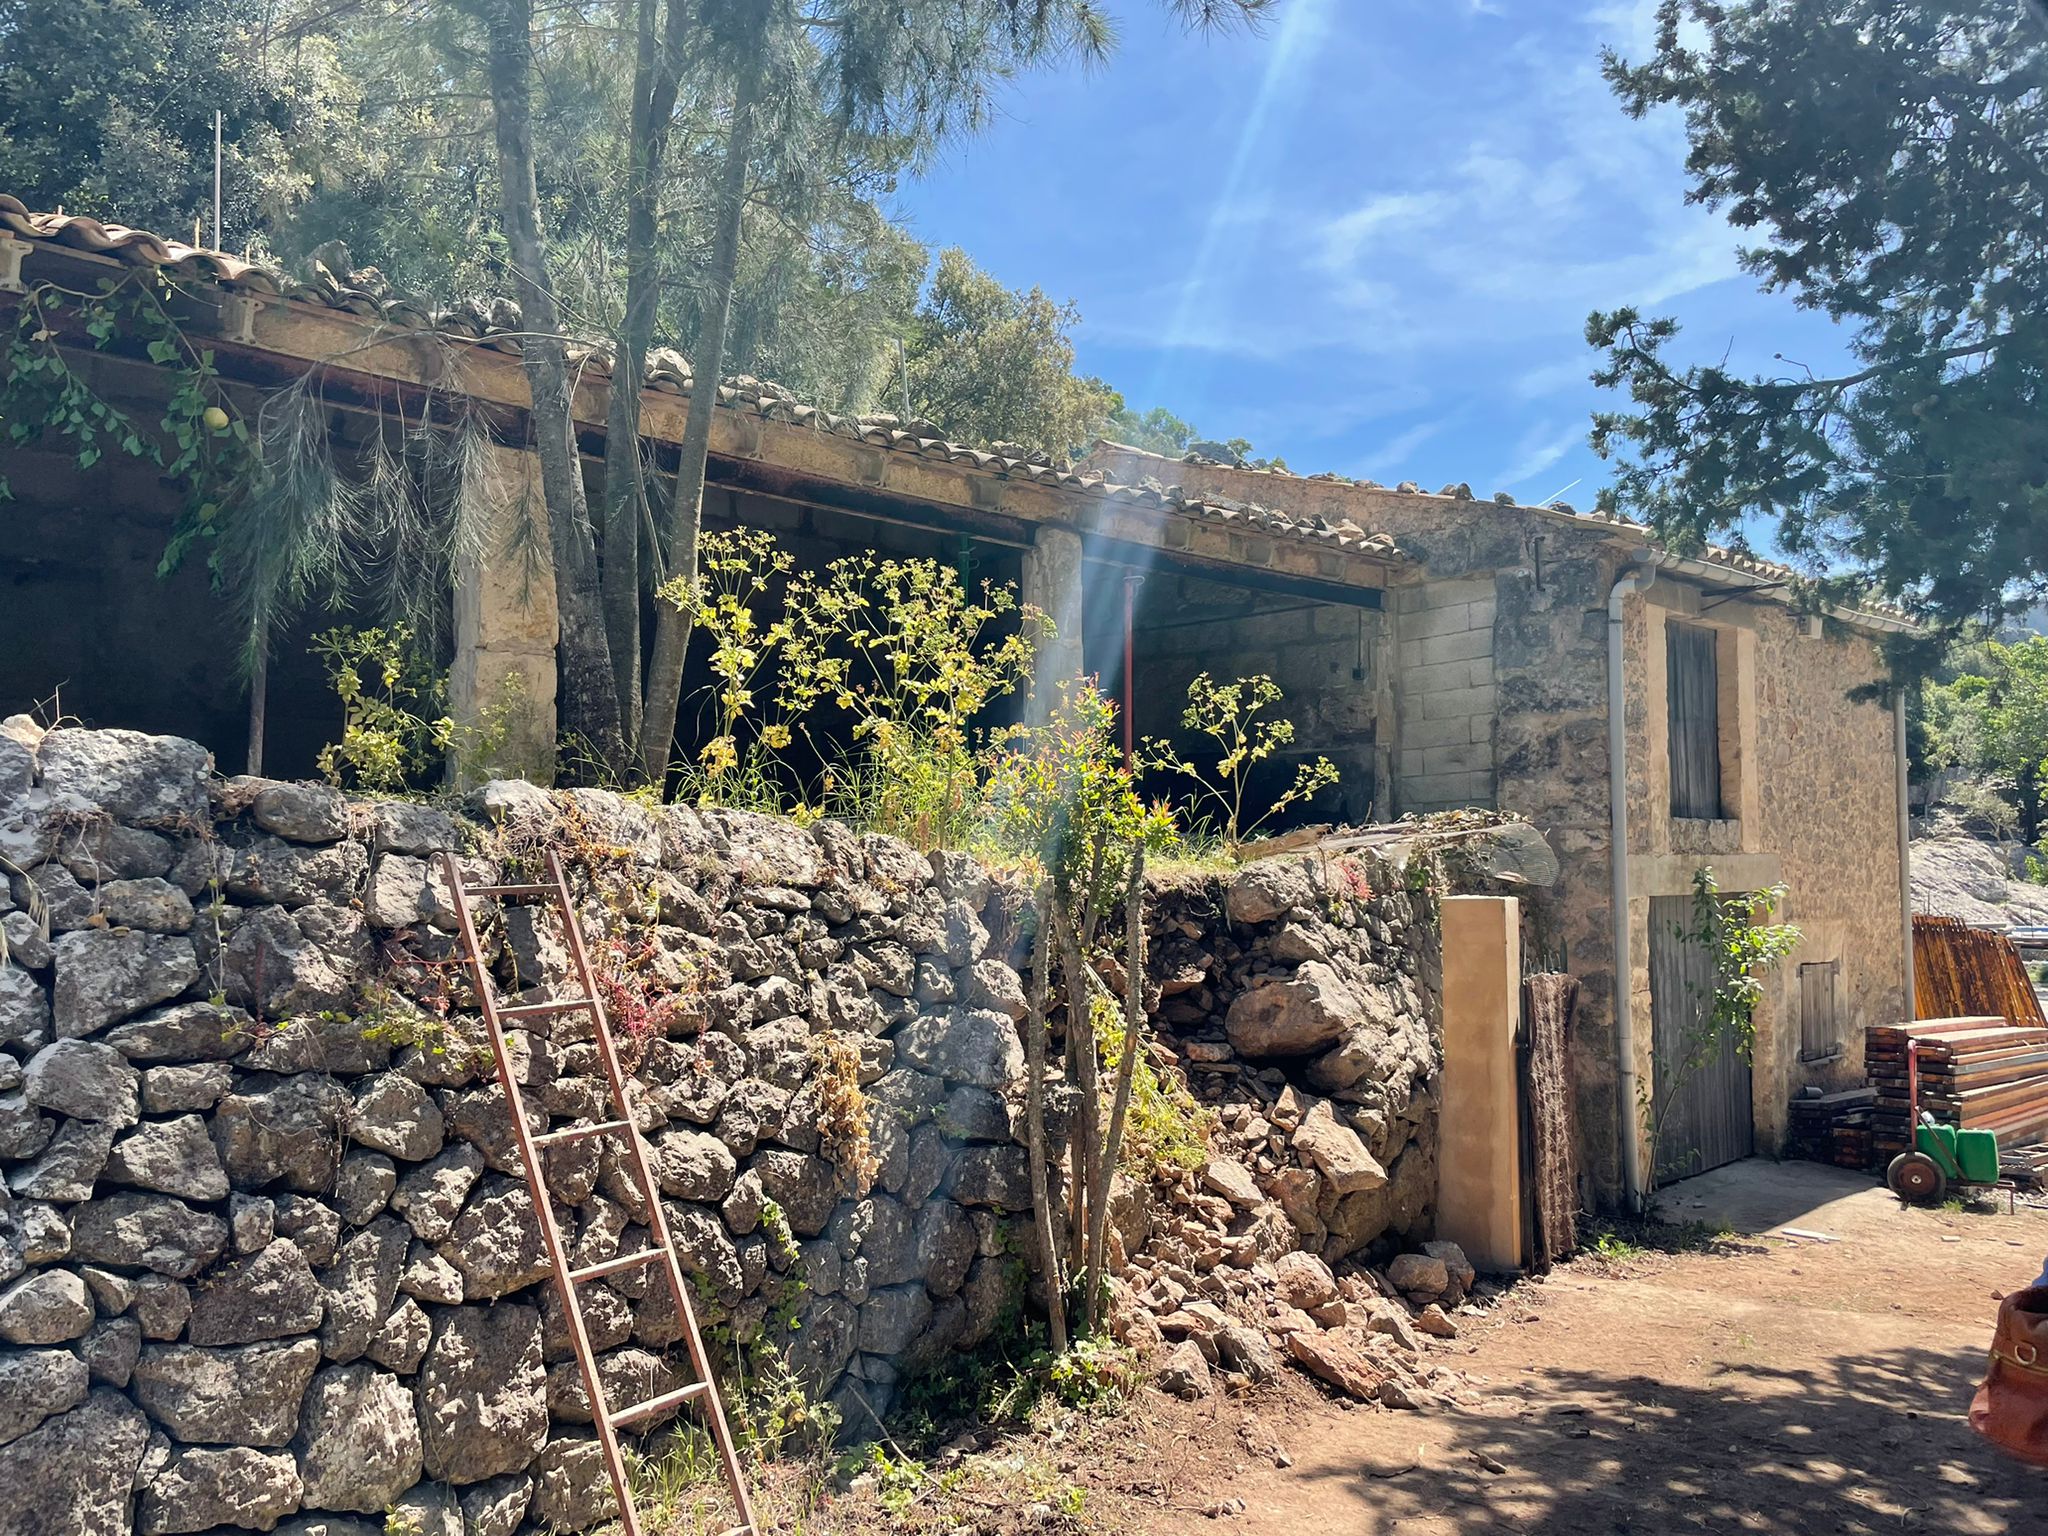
265	1245
267	1256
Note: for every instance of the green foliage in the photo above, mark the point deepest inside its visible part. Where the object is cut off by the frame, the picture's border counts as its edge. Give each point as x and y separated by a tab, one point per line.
1167	1131
1058	793
1743	950
1156	431
902	654
106	108
1228	714
1990	722
1889	155
393	735
200	443
990	364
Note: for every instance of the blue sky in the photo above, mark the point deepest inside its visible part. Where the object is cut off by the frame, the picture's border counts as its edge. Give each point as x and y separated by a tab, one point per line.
1366	240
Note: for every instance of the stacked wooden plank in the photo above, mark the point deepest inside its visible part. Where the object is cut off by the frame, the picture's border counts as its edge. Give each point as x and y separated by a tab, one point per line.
1832	1128
1975	1073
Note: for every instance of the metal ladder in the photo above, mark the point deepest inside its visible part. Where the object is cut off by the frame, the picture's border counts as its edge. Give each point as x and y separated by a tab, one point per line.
703	1390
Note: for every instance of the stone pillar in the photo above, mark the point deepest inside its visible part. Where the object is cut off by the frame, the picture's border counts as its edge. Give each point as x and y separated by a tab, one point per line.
1479	1134
1052	584
501	685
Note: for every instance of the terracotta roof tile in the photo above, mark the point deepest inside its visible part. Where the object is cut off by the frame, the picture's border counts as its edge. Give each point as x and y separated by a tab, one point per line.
494	324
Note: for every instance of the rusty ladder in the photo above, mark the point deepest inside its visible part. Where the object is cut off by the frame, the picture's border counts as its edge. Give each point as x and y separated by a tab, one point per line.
661	1251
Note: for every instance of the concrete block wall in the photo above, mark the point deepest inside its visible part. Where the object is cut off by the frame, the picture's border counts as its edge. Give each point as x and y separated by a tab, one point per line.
1326	657
1446	693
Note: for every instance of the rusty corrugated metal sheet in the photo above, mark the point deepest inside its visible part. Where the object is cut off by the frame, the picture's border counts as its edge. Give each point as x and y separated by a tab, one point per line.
1960	971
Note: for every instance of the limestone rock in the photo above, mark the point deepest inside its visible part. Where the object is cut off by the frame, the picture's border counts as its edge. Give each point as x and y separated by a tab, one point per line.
495	1508
162	1306
1184	1373
35	1383
270	1295
282	1130
892	1317
70	1161
359	1441
110	1350
430	1196
303	813
1336	1360
292	874
51	1306
332	1040
806	1187
24	1008
402	1342
992	1176
404	827
690	1165
1304	1281
252	1222
184	1032
1297	1017
481	1393
497	1242
153	905
1337	1152
85	1080
964	1045
148	1232
310	1224
24	1129
361	1285
104	975
175	1157
286	964
76	1474
572	1491
200	1085
1268	889
244	1396
1247	1351
146	781
393	1114
199	1488
364	1186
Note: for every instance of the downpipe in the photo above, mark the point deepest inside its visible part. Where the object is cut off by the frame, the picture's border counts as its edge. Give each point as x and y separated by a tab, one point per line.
1627	584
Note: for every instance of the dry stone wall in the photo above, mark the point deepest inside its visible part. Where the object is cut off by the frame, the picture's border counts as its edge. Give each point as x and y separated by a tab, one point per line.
267	1256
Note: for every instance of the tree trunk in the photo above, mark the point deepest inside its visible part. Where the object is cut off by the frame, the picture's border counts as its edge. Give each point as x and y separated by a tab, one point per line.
1034	1121
656	76
588	700
1126	1069
686	510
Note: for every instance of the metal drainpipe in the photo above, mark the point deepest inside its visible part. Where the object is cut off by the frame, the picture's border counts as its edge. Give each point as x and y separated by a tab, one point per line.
1630	581
1905	853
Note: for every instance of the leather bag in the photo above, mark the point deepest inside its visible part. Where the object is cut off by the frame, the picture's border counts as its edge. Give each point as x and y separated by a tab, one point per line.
2011	1407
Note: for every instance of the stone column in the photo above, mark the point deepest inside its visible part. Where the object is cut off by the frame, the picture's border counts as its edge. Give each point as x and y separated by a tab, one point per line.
501	685
1479	1136
1052	584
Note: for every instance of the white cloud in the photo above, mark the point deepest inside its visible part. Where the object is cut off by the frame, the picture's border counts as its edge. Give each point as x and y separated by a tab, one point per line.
1541	446
1391	456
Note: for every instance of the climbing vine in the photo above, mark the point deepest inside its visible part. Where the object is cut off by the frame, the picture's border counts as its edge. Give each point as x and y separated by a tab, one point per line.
201	442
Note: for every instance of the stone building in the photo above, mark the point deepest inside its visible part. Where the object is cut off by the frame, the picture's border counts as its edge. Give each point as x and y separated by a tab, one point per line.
1442	652
1500	626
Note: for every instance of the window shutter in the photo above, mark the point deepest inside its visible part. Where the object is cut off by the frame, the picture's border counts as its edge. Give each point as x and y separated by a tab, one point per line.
1695	709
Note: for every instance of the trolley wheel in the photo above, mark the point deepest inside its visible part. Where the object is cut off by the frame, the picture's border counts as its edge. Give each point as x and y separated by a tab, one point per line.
1917	1178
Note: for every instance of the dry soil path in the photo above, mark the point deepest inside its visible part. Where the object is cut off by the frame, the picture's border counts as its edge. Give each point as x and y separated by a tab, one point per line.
1789	1386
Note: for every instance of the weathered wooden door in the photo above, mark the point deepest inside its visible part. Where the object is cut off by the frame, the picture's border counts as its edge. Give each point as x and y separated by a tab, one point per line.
1708	1120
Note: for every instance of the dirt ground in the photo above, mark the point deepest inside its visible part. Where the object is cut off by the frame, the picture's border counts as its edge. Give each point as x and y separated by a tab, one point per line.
1781	1384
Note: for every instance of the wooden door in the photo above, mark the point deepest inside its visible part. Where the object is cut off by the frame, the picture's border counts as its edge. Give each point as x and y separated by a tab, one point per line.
1709	1120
